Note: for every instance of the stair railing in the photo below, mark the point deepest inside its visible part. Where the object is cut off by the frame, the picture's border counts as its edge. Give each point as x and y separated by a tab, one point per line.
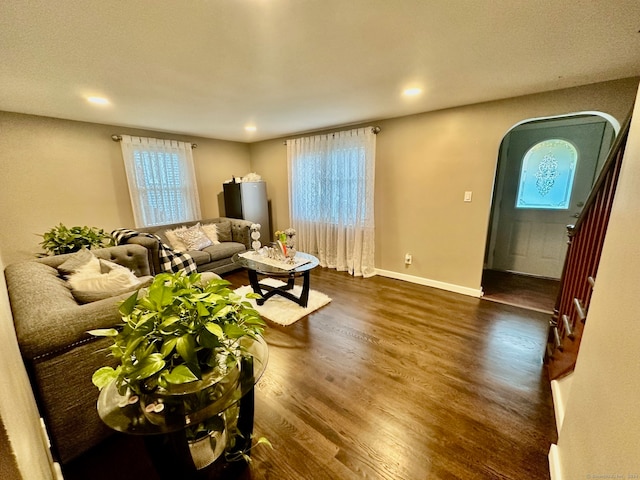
586	239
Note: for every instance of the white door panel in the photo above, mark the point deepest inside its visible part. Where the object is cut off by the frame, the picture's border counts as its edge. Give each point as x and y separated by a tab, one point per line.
533	240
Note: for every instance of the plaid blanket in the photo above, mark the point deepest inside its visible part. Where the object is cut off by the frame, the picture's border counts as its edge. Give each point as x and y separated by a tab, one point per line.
170	260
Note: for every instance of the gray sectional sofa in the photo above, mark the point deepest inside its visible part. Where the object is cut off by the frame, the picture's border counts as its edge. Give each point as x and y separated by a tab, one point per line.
214	258
60	356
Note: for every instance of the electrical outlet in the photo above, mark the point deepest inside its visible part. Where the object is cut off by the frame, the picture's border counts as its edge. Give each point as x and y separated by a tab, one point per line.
407	259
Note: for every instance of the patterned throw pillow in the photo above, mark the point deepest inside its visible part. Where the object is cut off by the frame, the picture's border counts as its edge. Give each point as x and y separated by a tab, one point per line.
194	238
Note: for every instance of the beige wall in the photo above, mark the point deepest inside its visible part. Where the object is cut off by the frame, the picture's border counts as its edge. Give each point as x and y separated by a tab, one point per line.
17	405
424	165
72	172
600	435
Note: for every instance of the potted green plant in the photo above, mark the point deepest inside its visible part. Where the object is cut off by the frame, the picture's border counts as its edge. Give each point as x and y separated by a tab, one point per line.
61	239
180	354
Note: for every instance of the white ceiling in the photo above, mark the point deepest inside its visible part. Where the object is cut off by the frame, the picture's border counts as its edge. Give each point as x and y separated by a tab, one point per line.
210	67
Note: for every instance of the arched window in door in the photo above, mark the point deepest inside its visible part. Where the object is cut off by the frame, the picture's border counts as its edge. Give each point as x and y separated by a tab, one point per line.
546	175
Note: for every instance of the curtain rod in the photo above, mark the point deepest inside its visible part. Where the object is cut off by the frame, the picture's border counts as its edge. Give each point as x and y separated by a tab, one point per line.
375	130
118	138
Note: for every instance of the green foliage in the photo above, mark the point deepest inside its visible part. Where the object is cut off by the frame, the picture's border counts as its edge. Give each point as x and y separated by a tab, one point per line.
176	332
61	239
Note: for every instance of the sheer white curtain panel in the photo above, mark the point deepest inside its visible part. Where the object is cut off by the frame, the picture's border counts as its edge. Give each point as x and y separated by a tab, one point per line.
161	179
331	198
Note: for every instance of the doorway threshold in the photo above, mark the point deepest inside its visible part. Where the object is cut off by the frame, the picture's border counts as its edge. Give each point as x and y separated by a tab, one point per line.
518	290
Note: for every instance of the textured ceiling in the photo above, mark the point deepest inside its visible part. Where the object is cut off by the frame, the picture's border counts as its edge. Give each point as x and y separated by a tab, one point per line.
210	67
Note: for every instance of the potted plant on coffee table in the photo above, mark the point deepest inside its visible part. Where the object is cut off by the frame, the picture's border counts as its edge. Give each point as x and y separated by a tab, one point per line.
186	354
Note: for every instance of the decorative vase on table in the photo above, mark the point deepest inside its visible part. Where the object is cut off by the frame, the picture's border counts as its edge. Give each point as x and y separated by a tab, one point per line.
255	236
290	242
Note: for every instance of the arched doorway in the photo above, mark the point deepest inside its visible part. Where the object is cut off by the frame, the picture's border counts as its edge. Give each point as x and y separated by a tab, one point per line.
546	168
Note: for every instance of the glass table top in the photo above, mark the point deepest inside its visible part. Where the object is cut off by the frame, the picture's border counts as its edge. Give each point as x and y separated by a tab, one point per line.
254	261
165	413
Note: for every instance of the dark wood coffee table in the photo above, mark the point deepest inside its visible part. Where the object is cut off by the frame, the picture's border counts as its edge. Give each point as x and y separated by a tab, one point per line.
255	267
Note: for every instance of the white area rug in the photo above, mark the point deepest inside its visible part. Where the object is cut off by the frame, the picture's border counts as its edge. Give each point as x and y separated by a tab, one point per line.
281	310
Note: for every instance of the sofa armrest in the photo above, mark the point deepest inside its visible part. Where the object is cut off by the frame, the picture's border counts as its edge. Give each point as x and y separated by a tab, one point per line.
46	317
39	340
152	247
240	230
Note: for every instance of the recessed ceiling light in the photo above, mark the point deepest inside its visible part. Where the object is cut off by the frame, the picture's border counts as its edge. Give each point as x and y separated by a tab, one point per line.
412	92
250	128
98	100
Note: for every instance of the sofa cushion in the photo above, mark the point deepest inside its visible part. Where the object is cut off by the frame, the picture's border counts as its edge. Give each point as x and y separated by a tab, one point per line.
200	256
224	231
224	250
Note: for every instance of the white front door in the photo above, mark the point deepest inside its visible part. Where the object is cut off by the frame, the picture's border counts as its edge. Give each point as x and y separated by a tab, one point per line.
547	178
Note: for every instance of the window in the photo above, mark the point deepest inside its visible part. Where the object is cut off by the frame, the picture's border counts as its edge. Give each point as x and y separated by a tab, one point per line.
161	181
331	182
331	185
546	176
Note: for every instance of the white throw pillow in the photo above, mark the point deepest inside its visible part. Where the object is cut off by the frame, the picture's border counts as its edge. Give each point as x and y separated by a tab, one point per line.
87	280
82	259
211	231
176	243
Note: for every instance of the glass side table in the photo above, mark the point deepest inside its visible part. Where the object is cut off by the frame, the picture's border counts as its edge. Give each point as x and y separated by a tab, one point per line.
175	425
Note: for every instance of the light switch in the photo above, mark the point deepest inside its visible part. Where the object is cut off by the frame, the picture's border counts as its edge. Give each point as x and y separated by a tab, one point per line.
467	196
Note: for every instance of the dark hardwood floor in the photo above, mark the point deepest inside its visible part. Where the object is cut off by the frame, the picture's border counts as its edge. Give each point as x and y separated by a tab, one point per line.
391	380
523	291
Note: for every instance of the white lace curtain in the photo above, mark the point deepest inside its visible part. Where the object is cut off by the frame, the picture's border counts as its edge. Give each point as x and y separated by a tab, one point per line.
331	182
162	180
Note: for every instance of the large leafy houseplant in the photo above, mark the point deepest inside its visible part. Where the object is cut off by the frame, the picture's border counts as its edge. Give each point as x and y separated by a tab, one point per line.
174	339
61	239
178	330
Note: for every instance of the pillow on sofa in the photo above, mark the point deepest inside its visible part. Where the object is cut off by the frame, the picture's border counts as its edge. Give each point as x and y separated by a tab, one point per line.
106	266
175	242
81	258
194	238
87	285
224	231
211	231
88	296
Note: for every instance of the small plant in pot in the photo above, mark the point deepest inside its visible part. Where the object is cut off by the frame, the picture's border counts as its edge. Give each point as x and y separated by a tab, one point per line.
60	239
179	355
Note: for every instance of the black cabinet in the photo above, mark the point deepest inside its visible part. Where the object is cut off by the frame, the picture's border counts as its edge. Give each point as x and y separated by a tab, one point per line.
248	201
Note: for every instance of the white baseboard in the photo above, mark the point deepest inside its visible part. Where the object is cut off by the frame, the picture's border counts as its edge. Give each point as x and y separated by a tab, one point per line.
560	391
472	292
57	471
554	463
